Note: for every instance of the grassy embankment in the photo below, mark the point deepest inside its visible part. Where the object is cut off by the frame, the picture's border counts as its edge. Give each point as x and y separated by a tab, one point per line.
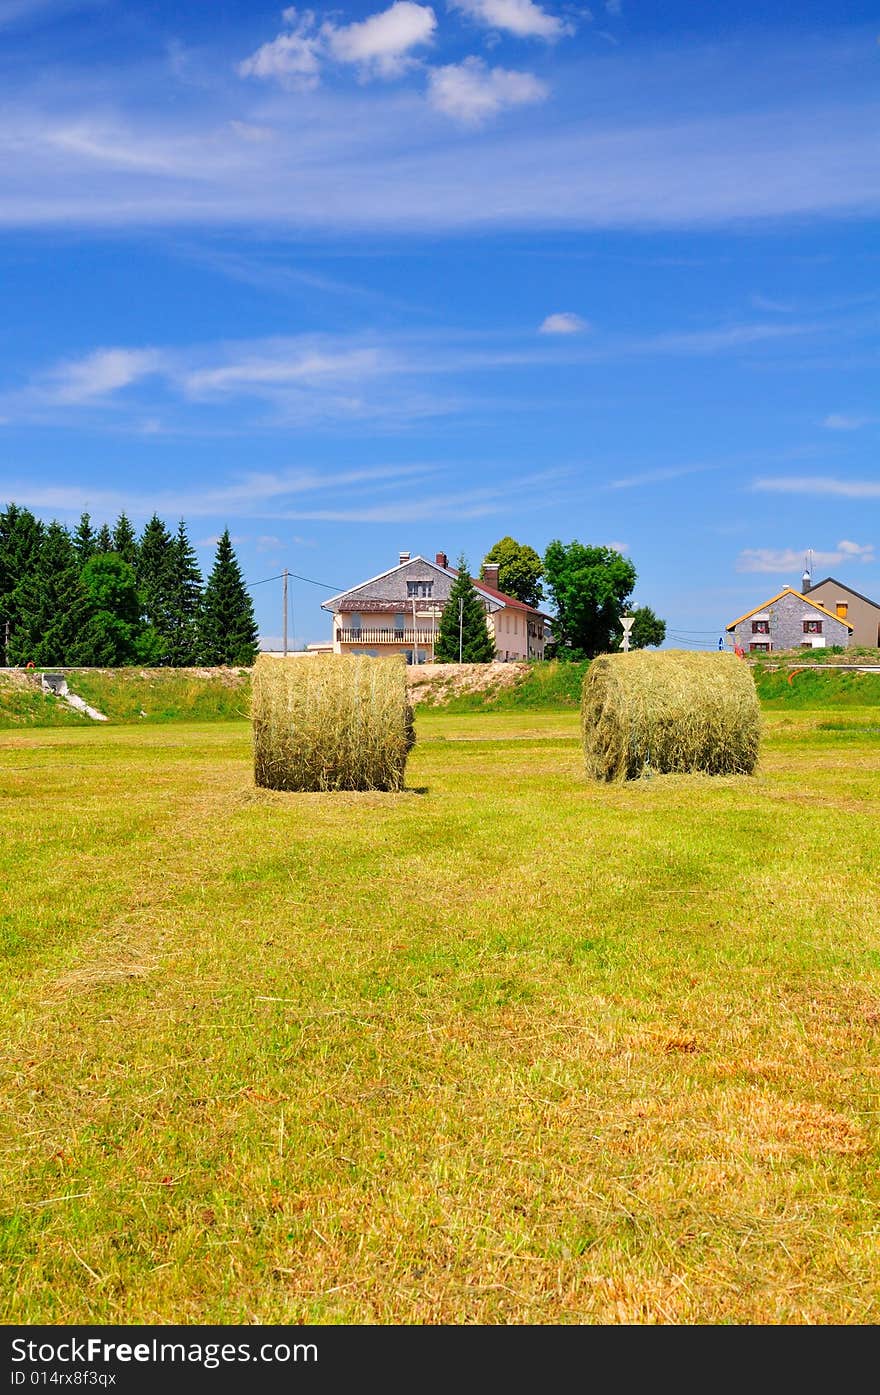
507	1047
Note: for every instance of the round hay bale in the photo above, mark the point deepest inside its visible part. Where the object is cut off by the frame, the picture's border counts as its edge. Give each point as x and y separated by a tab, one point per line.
334	722
669	711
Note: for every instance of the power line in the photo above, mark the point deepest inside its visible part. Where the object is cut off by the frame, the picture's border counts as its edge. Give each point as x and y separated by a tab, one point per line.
249	585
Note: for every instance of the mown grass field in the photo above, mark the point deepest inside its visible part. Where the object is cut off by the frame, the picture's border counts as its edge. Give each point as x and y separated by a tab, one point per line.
505	1048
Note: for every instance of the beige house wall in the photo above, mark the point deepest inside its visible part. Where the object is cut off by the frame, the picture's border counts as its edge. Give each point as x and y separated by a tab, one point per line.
862	615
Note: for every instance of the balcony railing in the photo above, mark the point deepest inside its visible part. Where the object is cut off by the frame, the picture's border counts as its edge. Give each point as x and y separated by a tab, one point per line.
369	635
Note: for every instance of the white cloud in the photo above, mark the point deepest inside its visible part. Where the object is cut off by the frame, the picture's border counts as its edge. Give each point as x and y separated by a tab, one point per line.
378	46
382	42
98	374
840	421
293	58
819	484
523	18
563	323
470	92
790	560
309	367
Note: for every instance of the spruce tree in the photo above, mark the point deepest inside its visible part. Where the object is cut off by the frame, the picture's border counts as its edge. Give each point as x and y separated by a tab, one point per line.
84	539
124	541
463	629
228	631
185	601
103	539
21	537
154	576
53	604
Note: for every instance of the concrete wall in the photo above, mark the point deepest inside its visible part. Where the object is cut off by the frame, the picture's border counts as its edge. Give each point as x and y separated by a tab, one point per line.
861	614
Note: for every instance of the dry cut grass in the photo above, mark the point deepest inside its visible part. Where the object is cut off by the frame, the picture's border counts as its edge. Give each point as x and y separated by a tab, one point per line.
335	722
669	712
507	1047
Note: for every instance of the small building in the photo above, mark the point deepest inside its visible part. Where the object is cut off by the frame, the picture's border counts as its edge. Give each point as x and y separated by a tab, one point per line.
789	620
398	612
850	605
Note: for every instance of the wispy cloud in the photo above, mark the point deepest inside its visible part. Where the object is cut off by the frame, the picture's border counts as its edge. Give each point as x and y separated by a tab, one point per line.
790	560
843	421
827	485
672	472
523	18
471	92
563	323
98	374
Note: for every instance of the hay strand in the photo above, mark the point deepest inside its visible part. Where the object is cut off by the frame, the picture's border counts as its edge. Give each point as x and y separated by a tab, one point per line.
667	712
335	722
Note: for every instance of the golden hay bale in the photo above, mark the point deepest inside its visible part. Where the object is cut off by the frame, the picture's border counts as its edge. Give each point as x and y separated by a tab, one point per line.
335	722
669	711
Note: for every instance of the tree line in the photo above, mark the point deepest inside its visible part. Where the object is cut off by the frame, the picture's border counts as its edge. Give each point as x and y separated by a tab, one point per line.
589	589
105	597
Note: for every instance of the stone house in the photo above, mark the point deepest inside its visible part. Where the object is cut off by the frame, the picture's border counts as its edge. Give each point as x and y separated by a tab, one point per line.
398	612
789	620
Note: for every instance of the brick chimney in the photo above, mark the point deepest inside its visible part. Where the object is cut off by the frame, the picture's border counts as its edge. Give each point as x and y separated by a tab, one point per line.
806	583
404	557
490	574
441	559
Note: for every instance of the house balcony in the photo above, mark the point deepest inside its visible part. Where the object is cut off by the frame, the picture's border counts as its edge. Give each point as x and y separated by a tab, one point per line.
369	634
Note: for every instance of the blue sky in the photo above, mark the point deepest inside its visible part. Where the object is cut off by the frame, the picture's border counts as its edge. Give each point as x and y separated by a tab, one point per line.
372	278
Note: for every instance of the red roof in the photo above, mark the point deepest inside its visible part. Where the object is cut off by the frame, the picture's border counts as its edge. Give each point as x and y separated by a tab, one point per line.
497	595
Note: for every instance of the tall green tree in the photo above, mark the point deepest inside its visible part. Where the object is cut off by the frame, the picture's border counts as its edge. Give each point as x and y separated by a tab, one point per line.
463	632
84	539
21	537
228	630
185	601
519	570
589	588
114	633
125	541
103	539
52	604
154	568
648	629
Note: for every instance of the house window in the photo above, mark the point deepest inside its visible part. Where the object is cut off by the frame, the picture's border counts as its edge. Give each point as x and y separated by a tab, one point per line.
812	627
842	610
399	623
355	625
760	627
759	648
419	588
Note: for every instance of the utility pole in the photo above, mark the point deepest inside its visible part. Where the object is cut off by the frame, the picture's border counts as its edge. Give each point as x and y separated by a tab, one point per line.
626	622
460	615
6	645
284	606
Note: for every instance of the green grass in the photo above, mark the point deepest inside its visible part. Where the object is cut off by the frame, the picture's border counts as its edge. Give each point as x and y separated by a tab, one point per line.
542	686
813	688
507	1047
24	704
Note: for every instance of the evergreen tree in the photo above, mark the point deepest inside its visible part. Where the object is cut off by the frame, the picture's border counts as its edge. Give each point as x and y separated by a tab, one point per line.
21	537
463	630
228	630
185	601
103	539
154	576
84	539
53	604
124	541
